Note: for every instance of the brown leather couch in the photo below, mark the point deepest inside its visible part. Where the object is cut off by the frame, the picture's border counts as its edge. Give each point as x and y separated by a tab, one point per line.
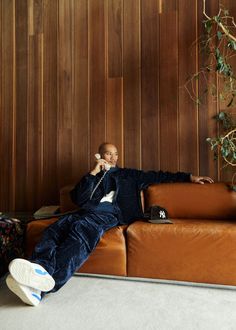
200	245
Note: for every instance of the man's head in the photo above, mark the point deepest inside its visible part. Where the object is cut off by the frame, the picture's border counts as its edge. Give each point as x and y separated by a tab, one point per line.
109	152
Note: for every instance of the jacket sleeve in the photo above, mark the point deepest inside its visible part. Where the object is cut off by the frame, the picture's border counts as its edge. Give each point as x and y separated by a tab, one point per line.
81	193
144	179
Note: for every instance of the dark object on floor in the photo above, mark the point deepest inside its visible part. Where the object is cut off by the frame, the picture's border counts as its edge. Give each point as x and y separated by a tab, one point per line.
11	241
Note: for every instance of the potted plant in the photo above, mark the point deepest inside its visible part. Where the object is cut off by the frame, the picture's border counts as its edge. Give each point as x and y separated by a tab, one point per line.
219	43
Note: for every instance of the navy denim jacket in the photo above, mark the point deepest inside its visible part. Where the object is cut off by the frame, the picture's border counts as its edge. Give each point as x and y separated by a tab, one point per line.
129	183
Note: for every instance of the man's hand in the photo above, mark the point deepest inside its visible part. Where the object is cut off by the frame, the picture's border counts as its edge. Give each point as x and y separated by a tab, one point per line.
200	179
98	166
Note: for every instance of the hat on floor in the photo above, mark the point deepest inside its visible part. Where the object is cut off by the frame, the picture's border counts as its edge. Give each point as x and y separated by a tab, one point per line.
158	215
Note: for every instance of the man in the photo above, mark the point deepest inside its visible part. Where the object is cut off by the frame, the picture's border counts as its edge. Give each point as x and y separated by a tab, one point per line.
106	198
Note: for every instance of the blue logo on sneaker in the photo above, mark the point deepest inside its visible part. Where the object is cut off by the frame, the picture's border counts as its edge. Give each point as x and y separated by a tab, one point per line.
36	296
40	272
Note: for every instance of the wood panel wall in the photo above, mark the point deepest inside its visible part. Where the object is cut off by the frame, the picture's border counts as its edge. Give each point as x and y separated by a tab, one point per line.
75	73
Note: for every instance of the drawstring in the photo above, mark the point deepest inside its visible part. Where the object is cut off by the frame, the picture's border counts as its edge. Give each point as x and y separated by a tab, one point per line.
98	184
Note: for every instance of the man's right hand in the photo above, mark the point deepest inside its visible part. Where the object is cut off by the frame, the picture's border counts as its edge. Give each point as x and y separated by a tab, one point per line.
98	166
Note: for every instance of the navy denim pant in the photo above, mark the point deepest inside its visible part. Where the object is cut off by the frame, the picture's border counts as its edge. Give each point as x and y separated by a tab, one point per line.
67	243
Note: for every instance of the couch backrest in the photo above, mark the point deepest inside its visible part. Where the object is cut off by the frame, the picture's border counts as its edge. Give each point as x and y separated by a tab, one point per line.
190	200
66	203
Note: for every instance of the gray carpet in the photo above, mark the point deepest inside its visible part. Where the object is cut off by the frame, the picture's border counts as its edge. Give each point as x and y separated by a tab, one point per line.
103	303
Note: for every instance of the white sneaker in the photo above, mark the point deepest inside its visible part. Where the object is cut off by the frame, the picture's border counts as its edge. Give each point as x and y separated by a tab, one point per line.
28	295
31	274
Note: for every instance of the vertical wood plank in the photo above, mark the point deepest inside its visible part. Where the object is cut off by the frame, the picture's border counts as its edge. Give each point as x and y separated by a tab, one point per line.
114	108
6	110
208	109
50	91
114	115
21	25
226	173
115	38
65	95
150	84
38	16
34	121
97	74
188	110
169	139
132	88
80	115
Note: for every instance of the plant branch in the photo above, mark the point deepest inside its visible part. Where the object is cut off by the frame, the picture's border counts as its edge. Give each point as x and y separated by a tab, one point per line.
219	23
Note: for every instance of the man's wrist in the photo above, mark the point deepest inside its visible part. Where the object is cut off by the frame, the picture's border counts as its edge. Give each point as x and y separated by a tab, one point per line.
93	173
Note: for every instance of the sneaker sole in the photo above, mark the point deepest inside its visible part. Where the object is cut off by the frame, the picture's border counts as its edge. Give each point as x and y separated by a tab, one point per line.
26	297
30	274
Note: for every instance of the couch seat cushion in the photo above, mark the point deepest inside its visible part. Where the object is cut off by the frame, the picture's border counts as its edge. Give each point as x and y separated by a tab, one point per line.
188	250
109	257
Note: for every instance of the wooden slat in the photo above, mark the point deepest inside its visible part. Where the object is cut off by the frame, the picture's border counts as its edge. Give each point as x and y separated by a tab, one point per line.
38	16
169	139
21	25
208	109
150	85
49	163
6	112
97	74
34	121
188	110
114	115
65	92
80	115
65	63
132	88
226	174
115	38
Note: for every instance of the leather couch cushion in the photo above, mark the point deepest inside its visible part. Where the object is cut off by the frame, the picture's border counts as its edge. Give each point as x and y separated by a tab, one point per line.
188	200
188	250
109	257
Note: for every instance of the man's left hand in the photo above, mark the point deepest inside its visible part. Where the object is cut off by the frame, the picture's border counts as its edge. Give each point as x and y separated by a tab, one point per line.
201	179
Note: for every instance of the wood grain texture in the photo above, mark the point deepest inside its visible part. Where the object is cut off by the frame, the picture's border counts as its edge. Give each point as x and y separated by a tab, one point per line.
49	143
97	74
187	109
226	173
75	73
132	86
150	108
21	69
169	137
208	109
65	90
80	114
115	38
114	115
34	120
7	104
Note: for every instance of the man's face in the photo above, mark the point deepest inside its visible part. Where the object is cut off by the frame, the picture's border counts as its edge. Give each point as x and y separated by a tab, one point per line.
110	154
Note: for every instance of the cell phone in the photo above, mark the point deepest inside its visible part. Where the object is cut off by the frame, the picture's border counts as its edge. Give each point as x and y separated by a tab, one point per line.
106	166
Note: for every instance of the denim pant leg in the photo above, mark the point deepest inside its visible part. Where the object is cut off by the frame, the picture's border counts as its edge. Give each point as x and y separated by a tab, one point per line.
45	251
67	243
82	239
